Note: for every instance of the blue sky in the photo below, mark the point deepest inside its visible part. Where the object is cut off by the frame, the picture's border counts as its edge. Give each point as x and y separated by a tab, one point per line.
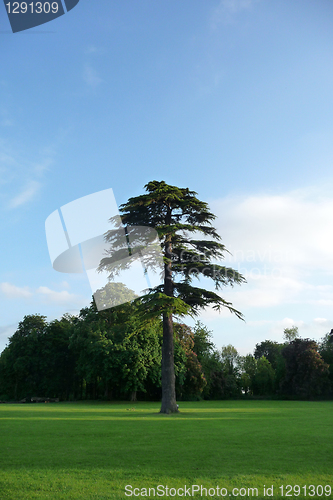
231	98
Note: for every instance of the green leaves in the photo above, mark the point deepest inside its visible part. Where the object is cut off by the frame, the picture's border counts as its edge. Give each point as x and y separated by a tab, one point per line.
157	303
174	213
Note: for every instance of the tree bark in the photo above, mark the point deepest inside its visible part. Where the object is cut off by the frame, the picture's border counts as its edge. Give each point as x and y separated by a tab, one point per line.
169	404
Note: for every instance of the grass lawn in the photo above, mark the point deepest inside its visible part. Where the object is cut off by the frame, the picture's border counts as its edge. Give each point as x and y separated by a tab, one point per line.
93	450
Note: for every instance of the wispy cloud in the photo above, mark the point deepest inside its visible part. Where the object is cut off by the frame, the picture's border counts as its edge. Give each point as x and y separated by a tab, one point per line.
6	122
6	158
21	174
42	166
234	6
63	297
15	292
92	49
26	195
44	293
227	9
91	76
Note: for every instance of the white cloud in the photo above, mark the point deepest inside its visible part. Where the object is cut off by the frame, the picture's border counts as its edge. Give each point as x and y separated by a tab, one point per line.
265	293
28	193
291	230
313	329
282	244
91	77
15	292
245	335
322	321
11	291
323	302
63	297
65	284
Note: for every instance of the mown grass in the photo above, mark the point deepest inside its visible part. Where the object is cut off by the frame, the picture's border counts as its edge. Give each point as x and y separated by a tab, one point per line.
93	450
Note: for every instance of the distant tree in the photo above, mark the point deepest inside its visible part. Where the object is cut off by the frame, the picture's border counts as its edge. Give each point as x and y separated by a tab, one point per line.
207	355
263	381
273	353
24	357
116	354
326	352
230	359
248	365
271	350
203	345
290	334
38	361
31	325
306	371
57	360
6	376
193	382
214	376
175	213
326	344
93	353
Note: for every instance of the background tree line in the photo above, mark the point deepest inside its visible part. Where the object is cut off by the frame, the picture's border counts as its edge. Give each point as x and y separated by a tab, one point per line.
112	354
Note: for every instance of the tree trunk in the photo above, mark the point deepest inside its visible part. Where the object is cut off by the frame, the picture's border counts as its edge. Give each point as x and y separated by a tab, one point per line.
169	404
108	391
133	396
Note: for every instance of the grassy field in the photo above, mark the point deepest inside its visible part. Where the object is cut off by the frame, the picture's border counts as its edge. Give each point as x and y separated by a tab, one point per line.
93	450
